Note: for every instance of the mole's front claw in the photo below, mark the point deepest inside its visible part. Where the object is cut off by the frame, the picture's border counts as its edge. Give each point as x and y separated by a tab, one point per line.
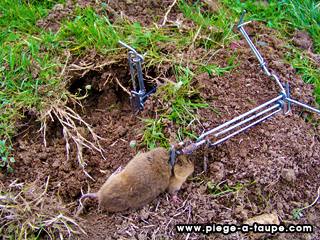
175	199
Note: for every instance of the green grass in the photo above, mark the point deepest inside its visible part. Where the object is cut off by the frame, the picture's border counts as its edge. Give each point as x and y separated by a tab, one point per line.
305	15
4	154
26	70
223	188
88	31
153	133
306	65
215	28
19	16
272	14
283	15
25	67
181	103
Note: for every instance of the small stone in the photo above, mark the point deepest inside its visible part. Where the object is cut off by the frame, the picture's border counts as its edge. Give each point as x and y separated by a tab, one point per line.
295	204
43	156
279	205
121	131
262	43
263	219
289	175
56	164
133	143
144	214
145	11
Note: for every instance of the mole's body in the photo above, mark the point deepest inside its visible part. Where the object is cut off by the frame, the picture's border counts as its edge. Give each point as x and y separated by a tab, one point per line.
142	180
182	169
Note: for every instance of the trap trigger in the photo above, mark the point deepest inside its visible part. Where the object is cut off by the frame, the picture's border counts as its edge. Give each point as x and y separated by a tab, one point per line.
138	100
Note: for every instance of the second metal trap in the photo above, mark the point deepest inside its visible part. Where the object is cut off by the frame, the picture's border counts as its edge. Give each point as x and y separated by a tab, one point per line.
138	94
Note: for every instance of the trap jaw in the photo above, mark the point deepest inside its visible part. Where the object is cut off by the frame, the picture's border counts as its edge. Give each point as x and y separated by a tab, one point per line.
250	118
139	94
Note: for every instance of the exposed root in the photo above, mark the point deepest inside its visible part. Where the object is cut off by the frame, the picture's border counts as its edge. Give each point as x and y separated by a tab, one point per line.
74	128
27	212
67	118
85	67
124	89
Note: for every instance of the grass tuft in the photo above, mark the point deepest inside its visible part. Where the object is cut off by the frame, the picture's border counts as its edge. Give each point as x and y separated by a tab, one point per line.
307	65
305	15
180	103
223	188
27	212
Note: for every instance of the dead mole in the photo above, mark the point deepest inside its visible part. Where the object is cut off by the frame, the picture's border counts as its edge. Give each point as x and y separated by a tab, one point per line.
141	181
182	169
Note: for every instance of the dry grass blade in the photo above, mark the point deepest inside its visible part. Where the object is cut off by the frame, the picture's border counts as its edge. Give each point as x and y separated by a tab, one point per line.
166	15
72	123
123	88
68	118
23	217
85	67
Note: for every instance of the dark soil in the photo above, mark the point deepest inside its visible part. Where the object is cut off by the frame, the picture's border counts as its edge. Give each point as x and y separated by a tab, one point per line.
274	165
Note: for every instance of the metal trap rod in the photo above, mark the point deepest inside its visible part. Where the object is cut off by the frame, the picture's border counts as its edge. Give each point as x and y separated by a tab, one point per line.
194	146
302	105
255	50
136	60
258	113
241	117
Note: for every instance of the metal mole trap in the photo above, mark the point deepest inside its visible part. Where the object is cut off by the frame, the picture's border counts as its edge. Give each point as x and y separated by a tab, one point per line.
250	118
136	59
230	128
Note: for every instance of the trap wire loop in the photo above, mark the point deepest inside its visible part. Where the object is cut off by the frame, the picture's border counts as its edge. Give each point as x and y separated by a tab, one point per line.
253	116
139	94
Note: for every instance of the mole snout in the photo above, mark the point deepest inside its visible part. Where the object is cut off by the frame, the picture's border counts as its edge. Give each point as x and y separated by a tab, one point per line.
182	169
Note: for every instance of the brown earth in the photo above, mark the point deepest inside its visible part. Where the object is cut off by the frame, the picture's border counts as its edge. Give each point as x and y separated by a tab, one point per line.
271	167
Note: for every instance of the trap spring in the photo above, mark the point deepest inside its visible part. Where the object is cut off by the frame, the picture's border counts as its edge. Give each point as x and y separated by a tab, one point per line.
253	116
136	59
